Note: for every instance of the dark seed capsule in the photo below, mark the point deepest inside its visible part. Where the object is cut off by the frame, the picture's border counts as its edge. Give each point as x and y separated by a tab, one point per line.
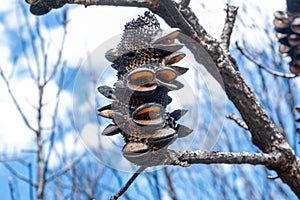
149	114
111	129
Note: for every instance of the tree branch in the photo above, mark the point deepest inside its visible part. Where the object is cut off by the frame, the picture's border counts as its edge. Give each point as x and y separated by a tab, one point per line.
18	175
172	157
63	170
171	189
11	188
267	69
228	27
264	133
237	120
129	182
201	157
16	102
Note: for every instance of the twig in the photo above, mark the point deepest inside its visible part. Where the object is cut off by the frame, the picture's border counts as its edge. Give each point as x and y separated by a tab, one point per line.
63	170
20	176
129	182
237	120
21	31
273	72
33	47
171	189
14	158
228	27
54	118
30	174
60	51
15	102
11	188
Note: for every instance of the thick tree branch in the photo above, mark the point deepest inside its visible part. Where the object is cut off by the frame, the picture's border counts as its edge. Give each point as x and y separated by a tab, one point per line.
265	135
202	157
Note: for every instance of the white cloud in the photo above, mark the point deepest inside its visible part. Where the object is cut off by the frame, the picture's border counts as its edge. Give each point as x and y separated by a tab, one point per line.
14	135
90	27
212	16
6	6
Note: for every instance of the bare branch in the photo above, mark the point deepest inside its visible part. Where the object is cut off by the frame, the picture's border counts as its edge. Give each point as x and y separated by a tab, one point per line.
200	157
264	133
11	188
228	27
18	175
40	146
30	174
129	182
16	102
63	170
273	72
171	189
54	118
14	158
237	120
60	52
23	45
34	47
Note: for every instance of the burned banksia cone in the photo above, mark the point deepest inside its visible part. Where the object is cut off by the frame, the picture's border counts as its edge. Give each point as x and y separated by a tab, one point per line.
145	61
287	26
298	120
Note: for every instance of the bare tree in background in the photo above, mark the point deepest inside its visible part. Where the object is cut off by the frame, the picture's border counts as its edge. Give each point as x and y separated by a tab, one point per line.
275	152
43	73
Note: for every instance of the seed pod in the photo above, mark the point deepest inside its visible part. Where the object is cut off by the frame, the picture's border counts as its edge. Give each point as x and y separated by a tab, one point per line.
143	60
